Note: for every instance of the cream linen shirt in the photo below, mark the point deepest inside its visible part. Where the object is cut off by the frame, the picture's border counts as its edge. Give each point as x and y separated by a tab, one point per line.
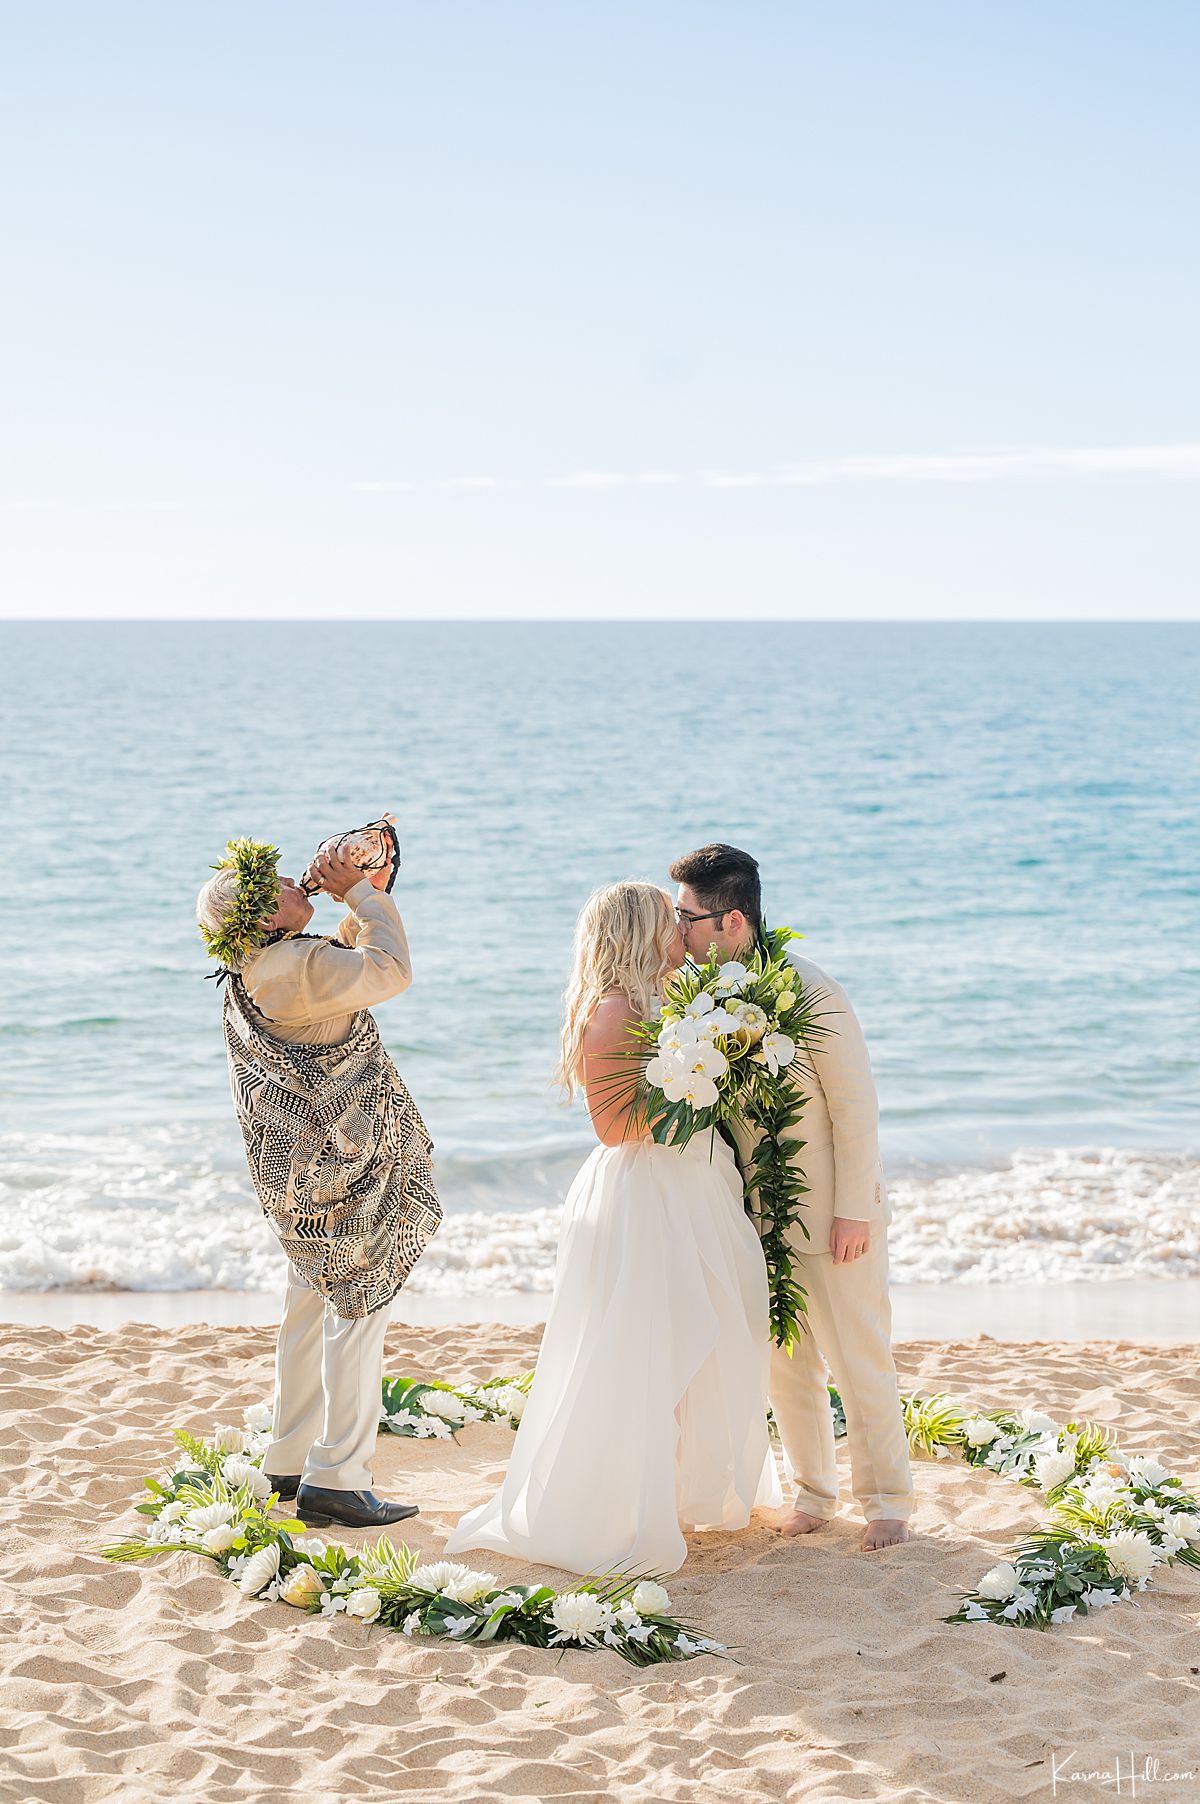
309	990
840	1123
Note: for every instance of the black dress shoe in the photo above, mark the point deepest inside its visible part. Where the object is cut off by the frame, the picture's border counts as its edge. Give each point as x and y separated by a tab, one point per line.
353	1509
286	1485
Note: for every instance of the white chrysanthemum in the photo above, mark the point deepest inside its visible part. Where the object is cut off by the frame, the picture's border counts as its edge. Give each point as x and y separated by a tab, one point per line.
1131	1554
1000	1582
238	1471
651	1599
257	1417
979	1432
445	1405
364	1603
208	1515
259	1570
219	1539
578	1614
1146	1471
437	1575
229	1440
470	1588
1052	1469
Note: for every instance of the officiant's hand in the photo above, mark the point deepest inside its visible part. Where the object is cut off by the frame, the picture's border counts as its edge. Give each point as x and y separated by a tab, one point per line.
335	873
848	1239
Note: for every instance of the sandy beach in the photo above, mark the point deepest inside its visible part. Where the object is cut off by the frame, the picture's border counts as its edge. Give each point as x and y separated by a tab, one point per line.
137	1683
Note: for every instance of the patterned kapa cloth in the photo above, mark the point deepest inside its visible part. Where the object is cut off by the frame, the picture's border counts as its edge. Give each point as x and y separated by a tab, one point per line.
338	1153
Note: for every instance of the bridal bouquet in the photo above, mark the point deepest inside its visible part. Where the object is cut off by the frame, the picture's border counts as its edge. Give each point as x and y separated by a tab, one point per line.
726	1047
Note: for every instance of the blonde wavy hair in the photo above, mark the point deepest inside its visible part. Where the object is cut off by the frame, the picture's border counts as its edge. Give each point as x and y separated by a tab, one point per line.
622	943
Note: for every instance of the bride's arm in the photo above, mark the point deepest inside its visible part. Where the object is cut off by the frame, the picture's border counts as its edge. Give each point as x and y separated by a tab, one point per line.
610	1075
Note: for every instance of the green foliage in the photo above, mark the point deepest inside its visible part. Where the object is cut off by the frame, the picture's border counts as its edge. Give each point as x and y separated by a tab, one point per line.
257	898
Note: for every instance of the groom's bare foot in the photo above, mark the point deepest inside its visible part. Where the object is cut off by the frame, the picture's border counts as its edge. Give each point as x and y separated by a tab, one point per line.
796	1522
884	1533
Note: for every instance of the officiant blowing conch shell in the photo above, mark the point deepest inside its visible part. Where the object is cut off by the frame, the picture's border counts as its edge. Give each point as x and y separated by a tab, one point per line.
337	1149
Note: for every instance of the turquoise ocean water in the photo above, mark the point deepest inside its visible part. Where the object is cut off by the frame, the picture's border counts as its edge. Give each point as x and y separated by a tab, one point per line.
989	833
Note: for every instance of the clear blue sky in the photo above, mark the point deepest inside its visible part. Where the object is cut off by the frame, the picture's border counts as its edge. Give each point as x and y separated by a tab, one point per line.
503	308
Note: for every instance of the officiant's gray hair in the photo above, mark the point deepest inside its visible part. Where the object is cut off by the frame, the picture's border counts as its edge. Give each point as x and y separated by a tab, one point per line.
215	899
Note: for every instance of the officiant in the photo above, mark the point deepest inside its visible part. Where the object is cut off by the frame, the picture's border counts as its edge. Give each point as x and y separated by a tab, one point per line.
337	1149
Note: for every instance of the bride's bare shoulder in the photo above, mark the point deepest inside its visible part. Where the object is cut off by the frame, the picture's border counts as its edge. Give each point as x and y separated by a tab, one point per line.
608	1020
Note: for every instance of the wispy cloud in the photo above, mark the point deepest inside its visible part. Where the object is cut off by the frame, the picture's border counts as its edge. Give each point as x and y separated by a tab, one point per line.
1003	464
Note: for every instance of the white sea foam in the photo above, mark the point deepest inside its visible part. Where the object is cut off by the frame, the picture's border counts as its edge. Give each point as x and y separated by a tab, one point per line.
172	1210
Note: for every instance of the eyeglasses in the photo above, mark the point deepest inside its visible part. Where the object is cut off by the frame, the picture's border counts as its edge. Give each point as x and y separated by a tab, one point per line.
690	920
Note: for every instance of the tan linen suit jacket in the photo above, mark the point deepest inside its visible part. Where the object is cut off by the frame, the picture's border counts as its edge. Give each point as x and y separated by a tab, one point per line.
840	1124
309	991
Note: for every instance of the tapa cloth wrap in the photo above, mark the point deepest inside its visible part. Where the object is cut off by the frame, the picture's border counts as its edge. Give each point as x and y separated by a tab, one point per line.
338	1153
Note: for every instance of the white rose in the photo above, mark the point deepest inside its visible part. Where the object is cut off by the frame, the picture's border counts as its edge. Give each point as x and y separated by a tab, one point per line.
577	1615
651	1599
259	1570
257	1417
1000	1582
1180	1522
979	1432
229	1440
365	1603
219	1539
787	1000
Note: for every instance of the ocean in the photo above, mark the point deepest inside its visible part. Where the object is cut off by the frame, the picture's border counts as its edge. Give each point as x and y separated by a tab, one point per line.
990	834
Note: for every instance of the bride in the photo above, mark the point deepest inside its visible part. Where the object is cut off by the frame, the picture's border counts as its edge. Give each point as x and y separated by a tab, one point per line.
647	1415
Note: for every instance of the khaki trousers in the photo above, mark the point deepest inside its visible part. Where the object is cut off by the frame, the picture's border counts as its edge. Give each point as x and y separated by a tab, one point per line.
328	1379
850	1324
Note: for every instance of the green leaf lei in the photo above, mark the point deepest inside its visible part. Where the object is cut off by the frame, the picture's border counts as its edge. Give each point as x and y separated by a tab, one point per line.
242	931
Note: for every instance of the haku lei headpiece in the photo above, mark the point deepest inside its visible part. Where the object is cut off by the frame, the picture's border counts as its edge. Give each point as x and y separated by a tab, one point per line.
243	930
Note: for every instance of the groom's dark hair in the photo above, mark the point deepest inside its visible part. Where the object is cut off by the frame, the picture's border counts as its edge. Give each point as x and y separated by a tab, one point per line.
723	878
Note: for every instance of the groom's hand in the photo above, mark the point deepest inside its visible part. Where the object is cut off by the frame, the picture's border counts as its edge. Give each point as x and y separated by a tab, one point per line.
848	1239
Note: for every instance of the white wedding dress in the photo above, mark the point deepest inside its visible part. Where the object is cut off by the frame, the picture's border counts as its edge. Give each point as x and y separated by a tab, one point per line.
648	1411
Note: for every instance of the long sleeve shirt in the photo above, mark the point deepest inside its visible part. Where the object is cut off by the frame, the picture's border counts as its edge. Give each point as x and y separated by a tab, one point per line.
309	990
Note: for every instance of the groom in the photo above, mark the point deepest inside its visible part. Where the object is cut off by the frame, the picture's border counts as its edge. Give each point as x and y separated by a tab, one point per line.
843	1264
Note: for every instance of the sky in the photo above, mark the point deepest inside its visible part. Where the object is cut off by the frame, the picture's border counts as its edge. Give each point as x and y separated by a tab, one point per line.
746	310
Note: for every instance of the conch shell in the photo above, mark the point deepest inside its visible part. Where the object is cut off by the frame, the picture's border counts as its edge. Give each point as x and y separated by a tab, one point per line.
375	847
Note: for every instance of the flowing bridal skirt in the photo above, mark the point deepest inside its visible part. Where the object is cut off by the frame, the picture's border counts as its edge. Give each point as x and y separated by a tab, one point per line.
648	1412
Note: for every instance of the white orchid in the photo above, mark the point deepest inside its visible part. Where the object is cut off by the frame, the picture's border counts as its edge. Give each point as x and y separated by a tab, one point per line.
1064	1613
678	1033
720	1021
700	1004
731	977
692	1087
260	1570
331	1605
1023	1604
412	1623
778	1052
973	1612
